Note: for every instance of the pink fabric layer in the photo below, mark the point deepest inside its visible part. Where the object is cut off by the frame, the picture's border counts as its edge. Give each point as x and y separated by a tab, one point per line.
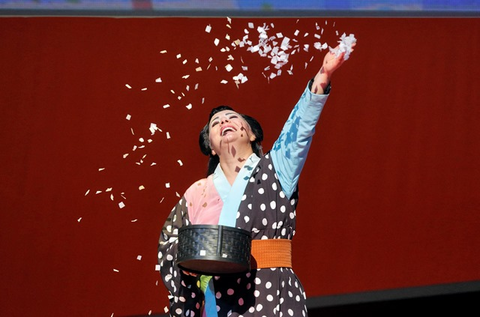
203	202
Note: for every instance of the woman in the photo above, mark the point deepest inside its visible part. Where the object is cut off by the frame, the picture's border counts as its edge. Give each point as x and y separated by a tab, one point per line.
254	192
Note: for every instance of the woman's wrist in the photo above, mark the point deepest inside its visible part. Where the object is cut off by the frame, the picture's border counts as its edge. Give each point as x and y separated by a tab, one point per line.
320	83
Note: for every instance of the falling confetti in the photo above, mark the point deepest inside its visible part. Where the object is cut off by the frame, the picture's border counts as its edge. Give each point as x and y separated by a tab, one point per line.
278	49
345	45
153	128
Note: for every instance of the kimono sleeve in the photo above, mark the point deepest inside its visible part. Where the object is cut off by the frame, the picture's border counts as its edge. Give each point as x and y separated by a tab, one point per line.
184	294
290	150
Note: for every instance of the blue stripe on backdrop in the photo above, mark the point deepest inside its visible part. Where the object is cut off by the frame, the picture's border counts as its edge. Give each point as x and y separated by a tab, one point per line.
260	5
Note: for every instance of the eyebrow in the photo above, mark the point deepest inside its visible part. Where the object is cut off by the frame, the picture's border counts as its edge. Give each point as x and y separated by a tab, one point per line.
228	113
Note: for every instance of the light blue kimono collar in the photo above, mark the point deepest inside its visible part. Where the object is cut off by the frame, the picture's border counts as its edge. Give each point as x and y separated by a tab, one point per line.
231	195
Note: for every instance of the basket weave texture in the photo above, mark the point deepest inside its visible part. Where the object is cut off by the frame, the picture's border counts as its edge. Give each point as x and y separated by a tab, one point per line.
213	249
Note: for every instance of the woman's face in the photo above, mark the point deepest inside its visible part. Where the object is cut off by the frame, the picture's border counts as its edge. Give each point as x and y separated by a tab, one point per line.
226	128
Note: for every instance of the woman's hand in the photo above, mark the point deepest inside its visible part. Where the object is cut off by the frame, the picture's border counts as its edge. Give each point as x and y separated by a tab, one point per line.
331	62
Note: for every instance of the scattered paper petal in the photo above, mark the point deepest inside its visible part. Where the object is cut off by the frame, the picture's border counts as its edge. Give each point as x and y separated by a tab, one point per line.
153	128
345	46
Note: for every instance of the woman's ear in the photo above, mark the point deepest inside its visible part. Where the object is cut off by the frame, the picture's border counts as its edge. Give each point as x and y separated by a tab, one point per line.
253	137
214	153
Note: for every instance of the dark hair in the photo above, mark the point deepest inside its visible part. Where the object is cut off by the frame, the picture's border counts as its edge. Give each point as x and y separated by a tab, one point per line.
204	140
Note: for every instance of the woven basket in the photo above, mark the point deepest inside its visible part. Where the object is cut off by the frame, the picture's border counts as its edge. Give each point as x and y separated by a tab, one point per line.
213	249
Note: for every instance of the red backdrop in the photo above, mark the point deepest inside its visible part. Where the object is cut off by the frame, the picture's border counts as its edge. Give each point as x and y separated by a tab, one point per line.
389	195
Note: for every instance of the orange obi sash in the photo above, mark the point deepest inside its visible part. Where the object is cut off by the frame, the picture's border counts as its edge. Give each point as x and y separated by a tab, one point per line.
271	253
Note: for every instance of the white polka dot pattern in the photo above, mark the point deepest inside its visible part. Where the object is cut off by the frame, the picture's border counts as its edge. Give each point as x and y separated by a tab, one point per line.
266	212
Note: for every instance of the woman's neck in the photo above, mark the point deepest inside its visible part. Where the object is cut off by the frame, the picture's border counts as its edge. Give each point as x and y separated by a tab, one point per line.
232	164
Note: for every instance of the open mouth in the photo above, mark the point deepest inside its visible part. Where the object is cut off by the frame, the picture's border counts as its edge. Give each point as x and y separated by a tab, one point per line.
227	130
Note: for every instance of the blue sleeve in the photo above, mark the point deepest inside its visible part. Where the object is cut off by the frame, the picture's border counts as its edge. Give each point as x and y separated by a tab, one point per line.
290	150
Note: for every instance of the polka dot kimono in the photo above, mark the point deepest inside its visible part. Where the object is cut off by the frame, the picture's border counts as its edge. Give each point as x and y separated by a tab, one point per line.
267	213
